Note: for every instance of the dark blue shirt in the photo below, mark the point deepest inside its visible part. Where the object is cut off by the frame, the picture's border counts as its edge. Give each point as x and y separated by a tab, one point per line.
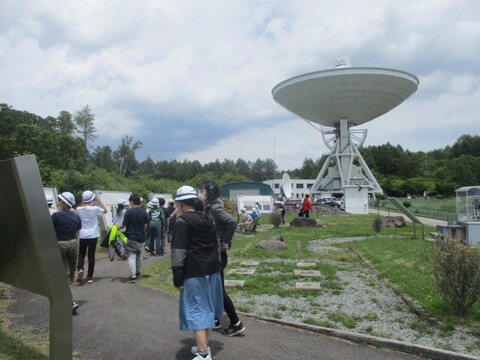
135	220
66	224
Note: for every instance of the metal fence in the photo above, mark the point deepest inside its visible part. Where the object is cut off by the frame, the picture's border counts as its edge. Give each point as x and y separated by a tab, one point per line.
439	214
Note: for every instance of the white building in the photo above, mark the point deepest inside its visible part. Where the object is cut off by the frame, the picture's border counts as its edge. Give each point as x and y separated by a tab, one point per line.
300	187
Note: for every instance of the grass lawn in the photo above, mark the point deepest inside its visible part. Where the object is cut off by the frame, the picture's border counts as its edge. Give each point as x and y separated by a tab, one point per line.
404	261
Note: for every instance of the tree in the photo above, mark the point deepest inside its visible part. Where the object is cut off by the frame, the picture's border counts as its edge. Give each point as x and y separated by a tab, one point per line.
84	120
65	124
103	158
466	145
262	170
243	168
125	155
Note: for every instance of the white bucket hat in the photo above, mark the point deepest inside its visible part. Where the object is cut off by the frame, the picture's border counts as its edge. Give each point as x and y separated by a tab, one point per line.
186	192
88	196
67	198
154	202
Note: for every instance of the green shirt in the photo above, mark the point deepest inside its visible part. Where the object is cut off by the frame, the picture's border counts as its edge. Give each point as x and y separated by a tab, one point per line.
156	217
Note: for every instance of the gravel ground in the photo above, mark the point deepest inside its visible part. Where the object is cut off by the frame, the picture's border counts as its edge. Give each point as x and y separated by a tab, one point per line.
363	305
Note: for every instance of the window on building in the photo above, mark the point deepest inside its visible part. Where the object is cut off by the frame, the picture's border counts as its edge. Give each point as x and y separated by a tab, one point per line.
299	186
276	186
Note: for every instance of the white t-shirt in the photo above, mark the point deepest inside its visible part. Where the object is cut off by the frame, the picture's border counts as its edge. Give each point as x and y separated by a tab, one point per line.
89	216
118	219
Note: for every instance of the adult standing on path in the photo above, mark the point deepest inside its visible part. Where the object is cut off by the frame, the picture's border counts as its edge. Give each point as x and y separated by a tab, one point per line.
156	225
67	225
225	226
135	221
196	271
89	233
306	206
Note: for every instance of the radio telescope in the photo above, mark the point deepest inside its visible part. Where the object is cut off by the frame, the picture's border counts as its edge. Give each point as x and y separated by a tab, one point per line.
335	100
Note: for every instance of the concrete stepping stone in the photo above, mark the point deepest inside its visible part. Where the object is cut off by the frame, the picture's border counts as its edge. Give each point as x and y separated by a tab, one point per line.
249	263
234	283
307	286
306	264
241	271
310	273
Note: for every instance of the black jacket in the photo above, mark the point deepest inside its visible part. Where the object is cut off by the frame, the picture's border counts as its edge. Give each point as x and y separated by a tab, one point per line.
194	247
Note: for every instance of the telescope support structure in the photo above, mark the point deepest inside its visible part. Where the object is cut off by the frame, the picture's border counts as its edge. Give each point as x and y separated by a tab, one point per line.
345	170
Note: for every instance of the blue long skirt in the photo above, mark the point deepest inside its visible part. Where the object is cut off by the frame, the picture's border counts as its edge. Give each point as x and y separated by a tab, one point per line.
201	301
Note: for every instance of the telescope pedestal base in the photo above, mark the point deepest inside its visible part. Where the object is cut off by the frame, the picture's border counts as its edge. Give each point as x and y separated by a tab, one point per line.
356	199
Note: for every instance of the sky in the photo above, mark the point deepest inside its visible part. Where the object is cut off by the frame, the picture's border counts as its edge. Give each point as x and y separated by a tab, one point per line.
192	79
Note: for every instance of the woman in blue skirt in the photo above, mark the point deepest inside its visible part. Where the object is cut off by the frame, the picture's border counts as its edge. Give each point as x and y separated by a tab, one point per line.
196	270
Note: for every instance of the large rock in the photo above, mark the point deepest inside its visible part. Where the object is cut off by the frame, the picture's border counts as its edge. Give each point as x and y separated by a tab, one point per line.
394	221
303	222
271	244
321	223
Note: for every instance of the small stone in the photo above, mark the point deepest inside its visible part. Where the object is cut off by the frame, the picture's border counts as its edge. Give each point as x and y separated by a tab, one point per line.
306	264
310	273
307	286
234	283
241	271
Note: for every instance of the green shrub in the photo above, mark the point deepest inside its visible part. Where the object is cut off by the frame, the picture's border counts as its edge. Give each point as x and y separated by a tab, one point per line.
439	197
276	219
407	203
377	225
457	273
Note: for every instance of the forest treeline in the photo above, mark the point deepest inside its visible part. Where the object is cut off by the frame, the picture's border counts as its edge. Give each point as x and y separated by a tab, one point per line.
68	160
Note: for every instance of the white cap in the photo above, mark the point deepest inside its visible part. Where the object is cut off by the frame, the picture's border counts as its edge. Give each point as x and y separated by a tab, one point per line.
243	210
186	192
49	199
88	196
122	202
154	202
67	198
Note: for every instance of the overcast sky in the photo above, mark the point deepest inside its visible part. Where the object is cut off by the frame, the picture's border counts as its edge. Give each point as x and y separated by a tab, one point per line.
193	79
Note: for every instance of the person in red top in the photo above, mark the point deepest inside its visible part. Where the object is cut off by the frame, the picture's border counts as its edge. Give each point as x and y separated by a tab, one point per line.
306	206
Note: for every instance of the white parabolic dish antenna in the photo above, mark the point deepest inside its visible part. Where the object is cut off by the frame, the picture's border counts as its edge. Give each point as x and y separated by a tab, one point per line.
340	98
359	94
287	185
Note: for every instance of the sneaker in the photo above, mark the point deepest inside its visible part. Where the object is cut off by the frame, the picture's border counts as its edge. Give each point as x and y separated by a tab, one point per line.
217	325
194	350
200	357
147	249
80	276
89	280
233	330
133	279
152	253
75	306
138	275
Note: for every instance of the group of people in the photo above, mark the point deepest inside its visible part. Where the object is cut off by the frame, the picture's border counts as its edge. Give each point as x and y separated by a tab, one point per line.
200	231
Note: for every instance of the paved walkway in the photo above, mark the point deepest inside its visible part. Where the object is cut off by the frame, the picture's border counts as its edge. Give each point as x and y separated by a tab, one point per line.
118	320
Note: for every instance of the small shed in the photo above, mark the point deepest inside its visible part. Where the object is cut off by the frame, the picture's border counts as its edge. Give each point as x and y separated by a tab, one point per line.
232	190
468	203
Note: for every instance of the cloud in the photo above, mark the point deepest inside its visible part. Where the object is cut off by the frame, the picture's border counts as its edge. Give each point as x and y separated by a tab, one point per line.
198	75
